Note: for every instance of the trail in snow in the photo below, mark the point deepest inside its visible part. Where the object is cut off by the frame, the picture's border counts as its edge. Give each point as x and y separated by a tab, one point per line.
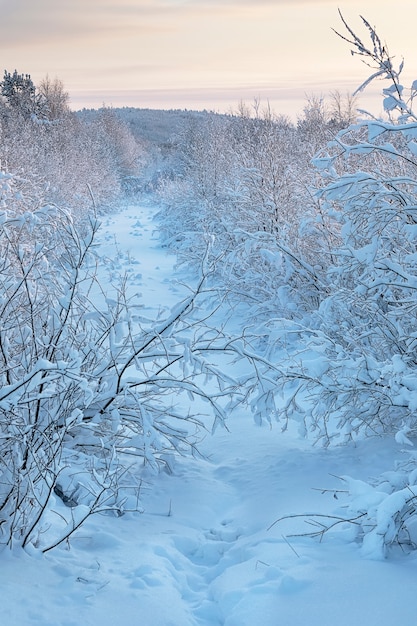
129	244
201	554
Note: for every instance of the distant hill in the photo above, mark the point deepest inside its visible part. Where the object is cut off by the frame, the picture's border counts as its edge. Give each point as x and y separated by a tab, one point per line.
159	133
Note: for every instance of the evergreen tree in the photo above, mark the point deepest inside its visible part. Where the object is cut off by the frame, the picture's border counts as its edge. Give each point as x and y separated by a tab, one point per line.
20	94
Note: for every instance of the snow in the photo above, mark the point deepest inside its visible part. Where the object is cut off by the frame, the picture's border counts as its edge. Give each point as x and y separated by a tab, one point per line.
206	550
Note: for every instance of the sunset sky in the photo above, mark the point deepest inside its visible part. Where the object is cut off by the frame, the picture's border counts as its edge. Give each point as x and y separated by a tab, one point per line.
199	54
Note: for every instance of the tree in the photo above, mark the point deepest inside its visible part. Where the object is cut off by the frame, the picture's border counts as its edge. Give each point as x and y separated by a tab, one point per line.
355	371
89	391
66	159
246	186
374	276
21	95
54	96
342	109
117	142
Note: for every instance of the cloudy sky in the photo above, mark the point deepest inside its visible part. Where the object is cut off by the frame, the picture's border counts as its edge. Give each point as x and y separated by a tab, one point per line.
198	53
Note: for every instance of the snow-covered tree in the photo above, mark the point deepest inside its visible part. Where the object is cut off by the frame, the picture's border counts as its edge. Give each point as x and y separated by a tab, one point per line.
117	142
55	97
90	390
369	317
246	186
64	157
21	95
355	372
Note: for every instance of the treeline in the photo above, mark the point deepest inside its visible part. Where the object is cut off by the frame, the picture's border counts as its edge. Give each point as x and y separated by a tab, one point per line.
312	227
245	183
58	156
90	391
324	251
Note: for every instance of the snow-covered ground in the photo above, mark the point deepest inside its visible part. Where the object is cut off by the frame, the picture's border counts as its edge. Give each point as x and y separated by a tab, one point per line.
203	552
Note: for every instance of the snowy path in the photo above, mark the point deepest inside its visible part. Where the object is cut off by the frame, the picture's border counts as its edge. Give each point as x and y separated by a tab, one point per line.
129	244
201	554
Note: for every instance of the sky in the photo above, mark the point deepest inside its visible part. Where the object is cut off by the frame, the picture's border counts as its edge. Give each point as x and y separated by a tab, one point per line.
200	54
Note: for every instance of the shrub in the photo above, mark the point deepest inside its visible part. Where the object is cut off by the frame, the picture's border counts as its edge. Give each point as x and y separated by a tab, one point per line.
88	389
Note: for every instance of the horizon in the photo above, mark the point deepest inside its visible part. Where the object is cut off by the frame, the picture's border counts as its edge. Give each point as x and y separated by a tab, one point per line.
200	55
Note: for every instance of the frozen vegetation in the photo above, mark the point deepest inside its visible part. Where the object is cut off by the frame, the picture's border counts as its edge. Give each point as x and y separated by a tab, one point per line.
207	357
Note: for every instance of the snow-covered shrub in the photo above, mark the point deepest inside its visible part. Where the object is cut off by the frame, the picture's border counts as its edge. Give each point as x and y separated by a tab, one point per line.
117	144
246	188
60	162
368	320
66	158
197	202
89	390
379	515
356	372
357	363
385	510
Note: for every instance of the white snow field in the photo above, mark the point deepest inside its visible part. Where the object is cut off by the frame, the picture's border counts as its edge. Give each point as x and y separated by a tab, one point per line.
203	552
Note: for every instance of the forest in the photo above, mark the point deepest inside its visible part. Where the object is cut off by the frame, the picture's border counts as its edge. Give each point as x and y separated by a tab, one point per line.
299	244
